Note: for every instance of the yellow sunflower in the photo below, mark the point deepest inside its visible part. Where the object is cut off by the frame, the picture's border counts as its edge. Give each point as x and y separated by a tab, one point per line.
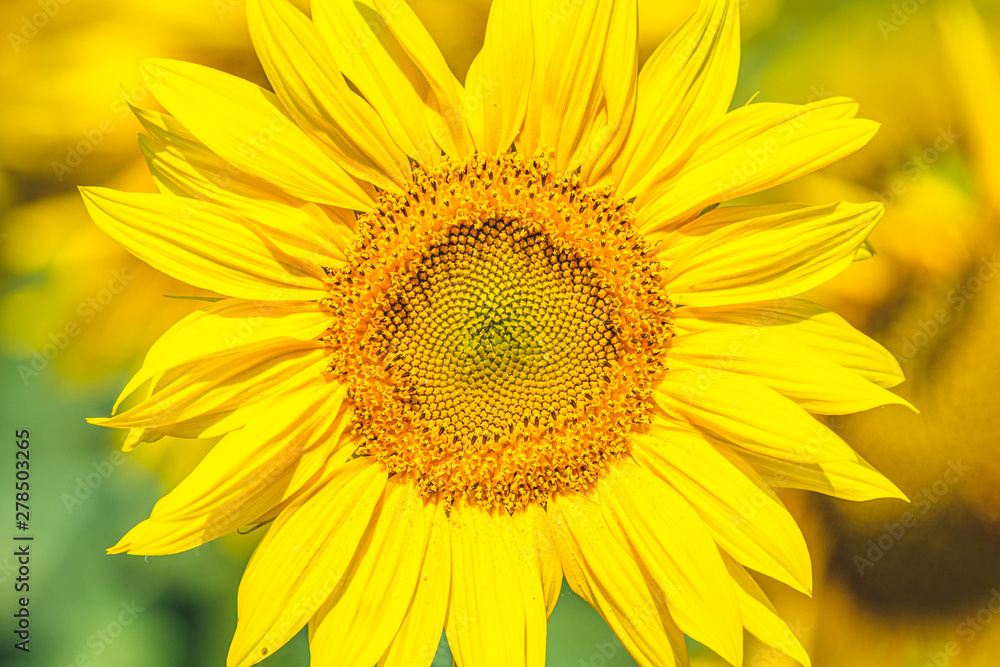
480	338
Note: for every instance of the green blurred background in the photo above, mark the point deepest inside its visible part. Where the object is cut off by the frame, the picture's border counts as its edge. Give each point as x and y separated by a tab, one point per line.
915	585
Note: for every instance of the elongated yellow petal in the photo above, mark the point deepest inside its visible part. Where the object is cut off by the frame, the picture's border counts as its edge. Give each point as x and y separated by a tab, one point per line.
245	125
850	479
536	544
583	90
677	241
751	149
164	130
417	641
299	228
745	412
751	120
760	618
381	585
772	257
674	545
248	472
229	326
200	174
684	87
601	567
783	364
543	34
336	447
447	97
806	323
498	82
306	554
307	81
203	244
210	397
609	128
496	617
744	516
183	165
371	57
305	232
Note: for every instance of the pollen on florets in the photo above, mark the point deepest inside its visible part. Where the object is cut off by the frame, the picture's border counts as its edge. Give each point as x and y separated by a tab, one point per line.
499	327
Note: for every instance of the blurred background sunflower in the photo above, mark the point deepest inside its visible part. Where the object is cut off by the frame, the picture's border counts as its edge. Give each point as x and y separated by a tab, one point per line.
895	585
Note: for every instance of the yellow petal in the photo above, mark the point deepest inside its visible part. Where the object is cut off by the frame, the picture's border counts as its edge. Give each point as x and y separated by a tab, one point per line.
203	244
417	641
496	617
601	567
305	232
183	165
299	228
446	98
745	412
760	618
776	256
229	326
583	89
307	81
336	448
200	174
537	543
210	397
783	364
753	148
677	241
498	82
247	473
744	516
808	323
245	125
371	58
371	604
306	554
850	479
684	87
674	545
784	122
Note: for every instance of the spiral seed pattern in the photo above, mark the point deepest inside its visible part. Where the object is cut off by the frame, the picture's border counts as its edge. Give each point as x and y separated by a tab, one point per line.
500	329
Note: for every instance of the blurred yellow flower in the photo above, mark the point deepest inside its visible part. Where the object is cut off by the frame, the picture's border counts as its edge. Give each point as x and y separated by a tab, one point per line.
67	62
918	585
916	165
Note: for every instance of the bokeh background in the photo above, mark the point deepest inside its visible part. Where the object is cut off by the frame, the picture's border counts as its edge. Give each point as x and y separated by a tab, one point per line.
896	584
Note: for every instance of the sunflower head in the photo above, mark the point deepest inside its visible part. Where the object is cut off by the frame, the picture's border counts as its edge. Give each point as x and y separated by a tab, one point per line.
500	328
475	337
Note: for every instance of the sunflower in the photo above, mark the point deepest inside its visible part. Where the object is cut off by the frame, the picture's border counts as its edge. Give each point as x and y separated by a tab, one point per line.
482	337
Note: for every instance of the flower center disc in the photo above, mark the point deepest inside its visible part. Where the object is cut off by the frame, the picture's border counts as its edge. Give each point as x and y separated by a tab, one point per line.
497	326
499	329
